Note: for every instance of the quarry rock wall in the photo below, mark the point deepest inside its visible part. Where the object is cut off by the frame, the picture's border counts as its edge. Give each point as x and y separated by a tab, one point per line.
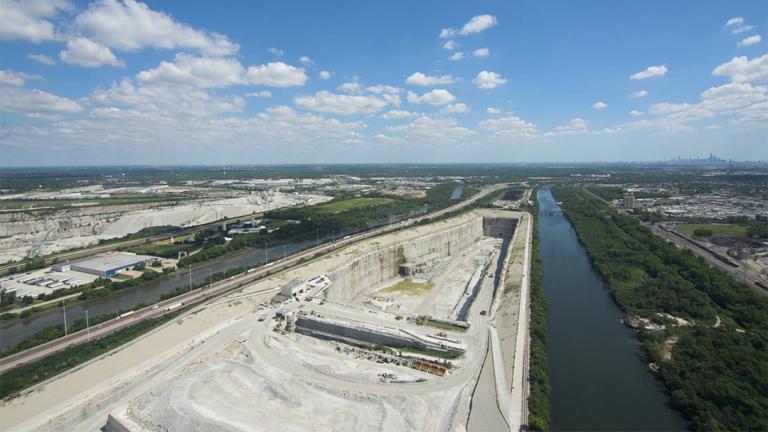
369	271
499	227
349	333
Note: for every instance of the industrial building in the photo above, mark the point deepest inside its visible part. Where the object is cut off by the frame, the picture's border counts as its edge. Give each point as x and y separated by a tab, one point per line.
296	286
629	201
111	263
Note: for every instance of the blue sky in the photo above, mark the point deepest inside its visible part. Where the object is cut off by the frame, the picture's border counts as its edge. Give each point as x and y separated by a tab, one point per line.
126	82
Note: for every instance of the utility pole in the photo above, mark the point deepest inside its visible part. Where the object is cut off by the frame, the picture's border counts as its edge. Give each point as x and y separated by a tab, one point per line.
87	326
64	303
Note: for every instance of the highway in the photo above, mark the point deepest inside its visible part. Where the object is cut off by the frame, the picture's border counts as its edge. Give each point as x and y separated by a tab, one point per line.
221	287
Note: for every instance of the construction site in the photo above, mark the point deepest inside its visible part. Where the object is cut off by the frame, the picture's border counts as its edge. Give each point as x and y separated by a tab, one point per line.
423	329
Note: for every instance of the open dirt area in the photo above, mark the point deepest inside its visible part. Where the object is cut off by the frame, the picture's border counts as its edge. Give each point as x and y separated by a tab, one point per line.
73	228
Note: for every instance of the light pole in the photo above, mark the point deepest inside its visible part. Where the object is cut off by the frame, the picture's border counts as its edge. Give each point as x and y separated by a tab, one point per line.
64	304
87	326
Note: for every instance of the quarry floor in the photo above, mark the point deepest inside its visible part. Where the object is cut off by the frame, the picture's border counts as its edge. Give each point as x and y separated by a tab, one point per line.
202	371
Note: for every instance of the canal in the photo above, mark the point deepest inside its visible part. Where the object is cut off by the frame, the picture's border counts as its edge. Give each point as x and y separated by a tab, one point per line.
598	373
148	293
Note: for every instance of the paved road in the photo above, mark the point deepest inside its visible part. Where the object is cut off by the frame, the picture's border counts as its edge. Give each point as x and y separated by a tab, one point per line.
218	288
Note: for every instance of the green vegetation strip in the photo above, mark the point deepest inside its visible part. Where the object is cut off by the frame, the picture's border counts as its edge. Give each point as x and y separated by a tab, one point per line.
408	287
442	325
538	369
349	204
716	377
727	230
19	378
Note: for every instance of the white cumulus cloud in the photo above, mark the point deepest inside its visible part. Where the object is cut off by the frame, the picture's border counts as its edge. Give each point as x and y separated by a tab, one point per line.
478	23
458	108
734	21
13	78
351	87
599	105
650	71
324	75
509	127
492	110
327	102
434	97
488	80
264	94
398	114
751	40
85	52
196	71
130	25
42	58
741	69
446	33
276	74
742	29
450	45
421	79
481	52
30	20
36	103
638	94
458	55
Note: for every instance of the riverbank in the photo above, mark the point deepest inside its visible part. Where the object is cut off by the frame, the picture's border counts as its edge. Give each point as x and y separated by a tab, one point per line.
715	376
538	371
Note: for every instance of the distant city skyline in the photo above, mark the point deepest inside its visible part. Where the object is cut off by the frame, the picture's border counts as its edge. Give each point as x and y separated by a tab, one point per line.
122	82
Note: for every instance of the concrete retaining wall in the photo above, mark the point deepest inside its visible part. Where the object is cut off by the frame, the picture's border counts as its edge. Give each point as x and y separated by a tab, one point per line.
499	227
370	270
368	334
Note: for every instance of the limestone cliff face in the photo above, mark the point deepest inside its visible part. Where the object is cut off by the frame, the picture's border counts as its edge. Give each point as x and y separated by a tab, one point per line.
370	270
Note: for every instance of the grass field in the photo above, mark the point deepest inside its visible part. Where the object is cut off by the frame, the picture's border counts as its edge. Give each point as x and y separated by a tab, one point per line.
724	230
444	326
408	287
161	250
353	203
